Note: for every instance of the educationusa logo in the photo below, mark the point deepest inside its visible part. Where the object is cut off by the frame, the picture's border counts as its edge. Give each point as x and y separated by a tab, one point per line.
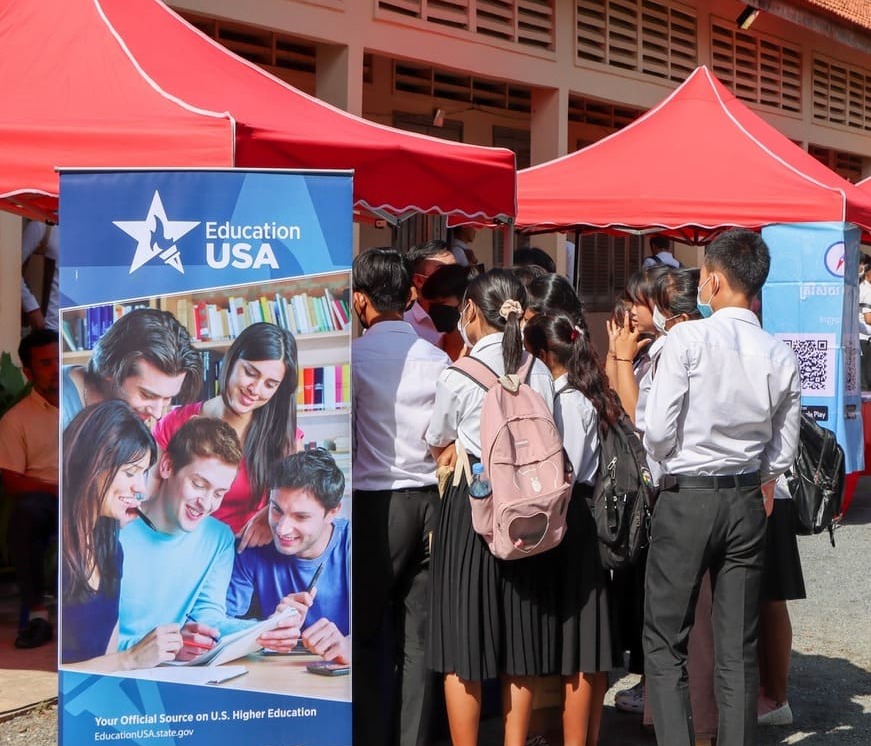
835	259
156	236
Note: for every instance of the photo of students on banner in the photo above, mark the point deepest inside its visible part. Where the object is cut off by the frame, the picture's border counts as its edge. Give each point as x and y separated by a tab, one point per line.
204	517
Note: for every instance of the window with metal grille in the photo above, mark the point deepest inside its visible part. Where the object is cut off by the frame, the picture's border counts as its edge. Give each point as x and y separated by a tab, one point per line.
756	68
642	35
527	22
842	93
409	77
847	165
606	264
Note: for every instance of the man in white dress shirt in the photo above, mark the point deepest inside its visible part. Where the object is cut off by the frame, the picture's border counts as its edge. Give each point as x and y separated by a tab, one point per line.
395	501
722	418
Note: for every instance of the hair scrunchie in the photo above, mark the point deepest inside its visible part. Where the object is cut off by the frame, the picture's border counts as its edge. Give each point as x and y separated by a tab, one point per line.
510	306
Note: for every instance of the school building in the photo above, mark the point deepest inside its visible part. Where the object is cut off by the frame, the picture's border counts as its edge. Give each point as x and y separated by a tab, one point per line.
546	77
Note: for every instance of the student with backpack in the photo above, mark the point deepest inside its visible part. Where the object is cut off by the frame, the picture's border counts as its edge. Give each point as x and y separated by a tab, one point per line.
584	407
488	617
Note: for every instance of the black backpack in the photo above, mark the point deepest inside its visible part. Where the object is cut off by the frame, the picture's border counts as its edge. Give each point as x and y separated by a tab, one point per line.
816	479
622	496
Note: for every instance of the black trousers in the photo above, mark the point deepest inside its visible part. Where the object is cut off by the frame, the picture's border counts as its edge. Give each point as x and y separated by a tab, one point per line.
695	530
391	532
32	525
865	365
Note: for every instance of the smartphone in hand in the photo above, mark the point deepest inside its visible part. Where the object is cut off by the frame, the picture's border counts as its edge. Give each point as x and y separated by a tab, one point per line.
328	668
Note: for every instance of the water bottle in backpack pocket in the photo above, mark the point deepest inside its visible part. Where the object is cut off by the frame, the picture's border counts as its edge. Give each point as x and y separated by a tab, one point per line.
523	457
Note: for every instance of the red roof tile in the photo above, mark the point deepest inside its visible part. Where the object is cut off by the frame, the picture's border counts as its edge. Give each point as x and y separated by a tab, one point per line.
856	12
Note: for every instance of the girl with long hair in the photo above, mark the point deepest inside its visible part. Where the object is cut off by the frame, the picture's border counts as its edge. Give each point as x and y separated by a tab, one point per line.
258	399
585	407
629	342
107	453
488	618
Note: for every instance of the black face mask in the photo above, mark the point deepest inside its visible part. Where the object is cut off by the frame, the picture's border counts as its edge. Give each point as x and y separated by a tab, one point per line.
444	318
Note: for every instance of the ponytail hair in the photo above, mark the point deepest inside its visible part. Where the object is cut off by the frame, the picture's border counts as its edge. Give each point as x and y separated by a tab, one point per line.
501	299
569	344
675	292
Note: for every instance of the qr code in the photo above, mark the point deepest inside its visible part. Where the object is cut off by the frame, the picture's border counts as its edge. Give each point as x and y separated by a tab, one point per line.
815	354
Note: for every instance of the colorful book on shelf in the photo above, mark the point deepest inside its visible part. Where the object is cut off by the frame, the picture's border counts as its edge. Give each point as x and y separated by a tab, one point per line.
255	313
318	389
201	319
300	390
308	389
346	385
302	316
330	386
341	401
266	310
340	317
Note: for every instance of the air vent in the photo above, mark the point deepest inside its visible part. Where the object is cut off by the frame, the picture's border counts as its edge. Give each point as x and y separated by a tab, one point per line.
409	77
757	68
526	22
842	93
641	35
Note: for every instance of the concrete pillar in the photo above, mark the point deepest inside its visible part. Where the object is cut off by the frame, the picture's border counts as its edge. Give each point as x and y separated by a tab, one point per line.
339	77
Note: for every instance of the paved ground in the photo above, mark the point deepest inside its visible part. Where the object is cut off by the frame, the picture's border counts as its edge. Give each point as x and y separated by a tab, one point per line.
830	689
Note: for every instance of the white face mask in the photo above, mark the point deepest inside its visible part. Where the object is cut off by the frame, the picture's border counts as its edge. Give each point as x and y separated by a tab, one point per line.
659	320
461	328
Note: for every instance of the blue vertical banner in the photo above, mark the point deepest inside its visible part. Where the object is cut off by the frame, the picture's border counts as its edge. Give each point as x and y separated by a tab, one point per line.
205	468
810	301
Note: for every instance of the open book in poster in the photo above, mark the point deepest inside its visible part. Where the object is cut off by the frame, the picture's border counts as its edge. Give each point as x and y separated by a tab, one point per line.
238	644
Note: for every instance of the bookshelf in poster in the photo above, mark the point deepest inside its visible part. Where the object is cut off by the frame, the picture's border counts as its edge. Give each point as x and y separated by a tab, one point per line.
302	313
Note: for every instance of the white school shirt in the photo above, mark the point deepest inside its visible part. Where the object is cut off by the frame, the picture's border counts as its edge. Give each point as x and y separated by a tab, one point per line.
457	413
393	380
725	399
864	305
644	386
578	423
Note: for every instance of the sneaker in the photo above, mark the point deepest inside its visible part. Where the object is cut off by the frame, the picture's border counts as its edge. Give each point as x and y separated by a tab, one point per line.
780	716
36	633
630	700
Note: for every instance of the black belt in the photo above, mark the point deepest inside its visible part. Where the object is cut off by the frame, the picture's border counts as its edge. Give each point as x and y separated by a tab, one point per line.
719	482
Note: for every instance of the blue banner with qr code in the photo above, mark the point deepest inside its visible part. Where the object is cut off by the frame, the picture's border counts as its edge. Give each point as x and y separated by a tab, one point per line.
811	302
205	389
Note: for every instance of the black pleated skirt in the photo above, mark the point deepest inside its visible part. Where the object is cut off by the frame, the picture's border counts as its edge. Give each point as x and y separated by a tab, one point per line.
588	644
488	616
782	577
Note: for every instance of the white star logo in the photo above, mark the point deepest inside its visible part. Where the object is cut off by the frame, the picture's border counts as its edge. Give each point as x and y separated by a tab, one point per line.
156	236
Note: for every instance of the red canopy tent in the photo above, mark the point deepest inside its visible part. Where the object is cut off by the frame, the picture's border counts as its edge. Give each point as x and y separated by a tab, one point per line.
695	164
128	83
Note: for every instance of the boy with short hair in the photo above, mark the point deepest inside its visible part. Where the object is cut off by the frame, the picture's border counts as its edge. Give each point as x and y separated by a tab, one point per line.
310	544
395	501
177	558
723	419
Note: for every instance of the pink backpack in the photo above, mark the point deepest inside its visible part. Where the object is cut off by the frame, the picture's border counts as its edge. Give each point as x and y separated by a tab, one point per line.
523	458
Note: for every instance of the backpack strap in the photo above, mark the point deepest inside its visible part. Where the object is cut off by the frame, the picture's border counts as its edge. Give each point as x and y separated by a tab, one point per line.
482	374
